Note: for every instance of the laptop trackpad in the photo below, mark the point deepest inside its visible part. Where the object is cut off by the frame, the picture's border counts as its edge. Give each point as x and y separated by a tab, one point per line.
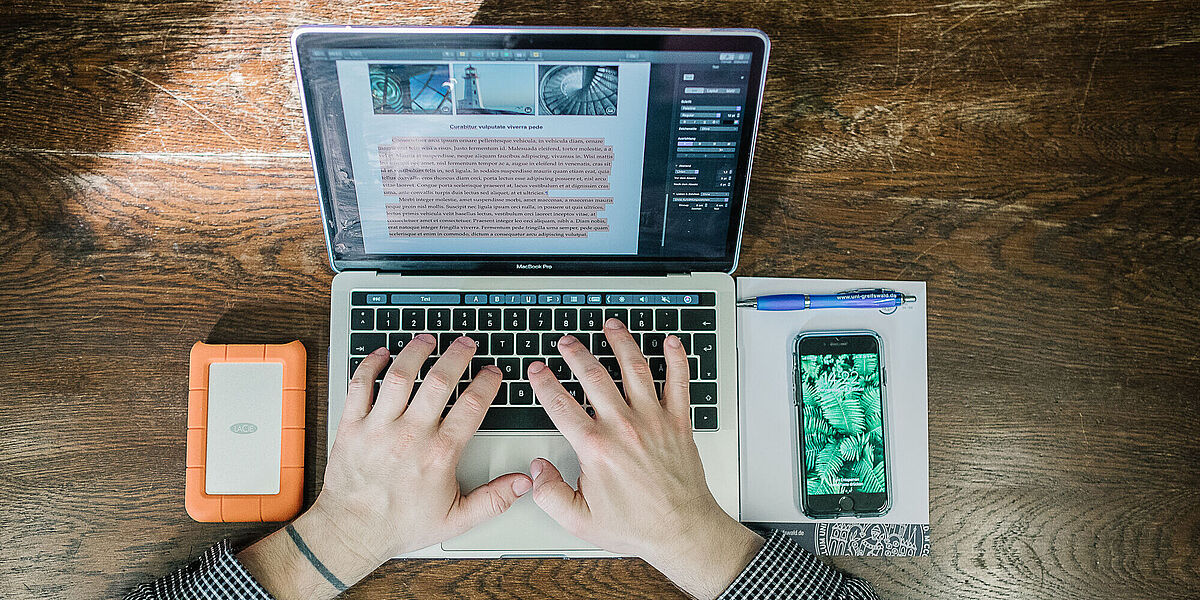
523	527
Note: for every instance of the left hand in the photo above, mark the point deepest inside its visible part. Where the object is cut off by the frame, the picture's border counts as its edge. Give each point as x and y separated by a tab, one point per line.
391	474
390	484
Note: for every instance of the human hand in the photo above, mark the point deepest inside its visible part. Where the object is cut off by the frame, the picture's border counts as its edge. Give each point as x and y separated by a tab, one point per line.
390	484
642	489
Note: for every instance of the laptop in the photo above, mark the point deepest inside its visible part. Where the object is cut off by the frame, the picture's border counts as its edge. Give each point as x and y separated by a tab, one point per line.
517	184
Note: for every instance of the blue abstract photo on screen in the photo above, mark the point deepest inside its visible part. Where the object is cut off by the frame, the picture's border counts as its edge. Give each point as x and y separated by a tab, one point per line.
494	89
411	89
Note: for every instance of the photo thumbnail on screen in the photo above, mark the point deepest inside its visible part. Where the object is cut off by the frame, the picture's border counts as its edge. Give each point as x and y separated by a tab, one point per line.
494	89
410	89
577	90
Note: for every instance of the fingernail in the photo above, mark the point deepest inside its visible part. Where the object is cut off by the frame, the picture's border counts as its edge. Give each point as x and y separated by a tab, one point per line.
380	351
567	340
427	338
491	369
521	486
465	341
537	367
614	323
535	469
674	342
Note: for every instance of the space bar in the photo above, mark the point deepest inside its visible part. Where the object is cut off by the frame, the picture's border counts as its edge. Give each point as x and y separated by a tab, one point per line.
508	418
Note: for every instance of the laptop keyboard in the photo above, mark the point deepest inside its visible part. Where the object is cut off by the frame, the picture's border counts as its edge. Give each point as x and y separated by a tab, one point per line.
512	330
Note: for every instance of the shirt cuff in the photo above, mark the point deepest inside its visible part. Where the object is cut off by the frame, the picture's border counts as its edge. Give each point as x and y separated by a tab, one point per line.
216	575
782	569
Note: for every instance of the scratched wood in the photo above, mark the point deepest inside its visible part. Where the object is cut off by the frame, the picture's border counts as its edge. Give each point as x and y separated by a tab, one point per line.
1038	163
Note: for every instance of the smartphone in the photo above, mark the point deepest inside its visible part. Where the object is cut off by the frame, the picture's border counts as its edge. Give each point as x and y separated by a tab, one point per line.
840	423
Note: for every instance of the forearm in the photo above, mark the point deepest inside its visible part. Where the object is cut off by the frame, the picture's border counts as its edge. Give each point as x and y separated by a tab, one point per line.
282	567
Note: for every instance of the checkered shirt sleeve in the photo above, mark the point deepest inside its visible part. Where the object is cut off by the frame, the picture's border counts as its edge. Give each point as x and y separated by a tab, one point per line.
216	575
782	570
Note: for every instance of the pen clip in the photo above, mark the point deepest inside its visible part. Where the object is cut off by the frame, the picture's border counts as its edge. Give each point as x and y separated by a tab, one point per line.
882	311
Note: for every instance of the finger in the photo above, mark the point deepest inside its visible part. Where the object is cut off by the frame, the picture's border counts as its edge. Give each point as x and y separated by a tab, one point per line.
558	499
490	499
596	382
440	381
464	418
362	383
568	416
676	397
635	372
398	381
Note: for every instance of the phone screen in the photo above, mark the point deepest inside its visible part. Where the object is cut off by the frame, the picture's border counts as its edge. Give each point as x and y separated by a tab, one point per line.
842	424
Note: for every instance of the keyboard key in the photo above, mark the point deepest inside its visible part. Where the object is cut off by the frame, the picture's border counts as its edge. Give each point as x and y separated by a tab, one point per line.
387	319
362	318
478	363
429	362
686	340
575	390
525	362
445	299
501	394
366	343
693	367
559	367
541	319
611	365
481	342
354	362
397	341
377	298
621	314
520	392
439	319
550	343
641	319
413	319
704	418
444	341
652	344
516	418
496	299
566	319
699	319
658	368
706	350
666	319
464	319
600	345
514	319
475	299
490	319
510	368
503	343
528	343
591	319
549	299
573	298
703	392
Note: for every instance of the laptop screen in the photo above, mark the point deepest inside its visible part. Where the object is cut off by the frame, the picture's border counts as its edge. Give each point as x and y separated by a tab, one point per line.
531	150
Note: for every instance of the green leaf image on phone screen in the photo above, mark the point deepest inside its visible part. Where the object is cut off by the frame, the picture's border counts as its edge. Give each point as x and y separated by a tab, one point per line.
843	424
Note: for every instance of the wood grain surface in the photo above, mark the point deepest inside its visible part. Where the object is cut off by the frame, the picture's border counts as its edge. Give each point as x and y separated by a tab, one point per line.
1036	161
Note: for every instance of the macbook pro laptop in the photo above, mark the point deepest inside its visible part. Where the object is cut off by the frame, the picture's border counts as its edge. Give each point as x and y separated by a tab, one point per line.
517	184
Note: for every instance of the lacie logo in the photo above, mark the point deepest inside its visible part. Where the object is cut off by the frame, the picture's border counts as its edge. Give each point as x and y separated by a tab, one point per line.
243	428
534	266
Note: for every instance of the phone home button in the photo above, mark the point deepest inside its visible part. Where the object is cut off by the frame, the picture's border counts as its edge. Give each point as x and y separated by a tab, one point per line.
846	503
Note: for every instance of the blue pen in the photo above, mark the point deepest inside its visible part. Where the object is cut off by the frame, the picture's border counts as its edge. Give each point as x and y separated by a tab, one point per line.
881	299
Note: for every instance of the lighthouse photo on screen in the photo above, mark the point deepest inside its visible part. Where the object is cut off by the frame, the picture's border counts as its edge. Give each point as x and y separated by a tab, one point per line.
494	88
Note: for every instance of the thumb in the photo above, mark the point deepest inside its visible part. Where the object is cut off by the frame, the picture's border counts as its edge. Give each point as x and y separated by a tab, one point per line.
556	497
491	498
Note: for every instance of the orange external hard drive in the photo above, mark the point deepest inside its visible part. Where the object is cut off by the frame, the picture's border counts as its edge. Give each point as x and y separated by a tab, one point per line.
245	432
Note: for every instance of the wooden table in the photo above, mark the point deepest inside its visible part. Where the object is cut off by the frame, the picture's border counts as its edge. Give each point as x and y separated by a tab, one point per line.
1036	162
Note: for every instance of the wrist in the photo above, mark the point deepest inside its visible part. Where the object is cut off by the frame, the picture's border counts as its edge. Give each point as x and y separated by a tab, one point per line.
707	556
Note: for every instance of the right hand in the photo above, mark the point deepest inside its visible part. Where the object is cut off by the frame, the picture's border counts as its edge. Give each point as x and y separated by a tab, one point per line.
641	490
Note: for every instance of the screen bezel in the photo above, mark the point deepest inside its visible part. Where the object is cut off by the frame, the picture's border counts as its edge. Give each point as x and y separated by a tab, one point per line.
308	38
827	505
